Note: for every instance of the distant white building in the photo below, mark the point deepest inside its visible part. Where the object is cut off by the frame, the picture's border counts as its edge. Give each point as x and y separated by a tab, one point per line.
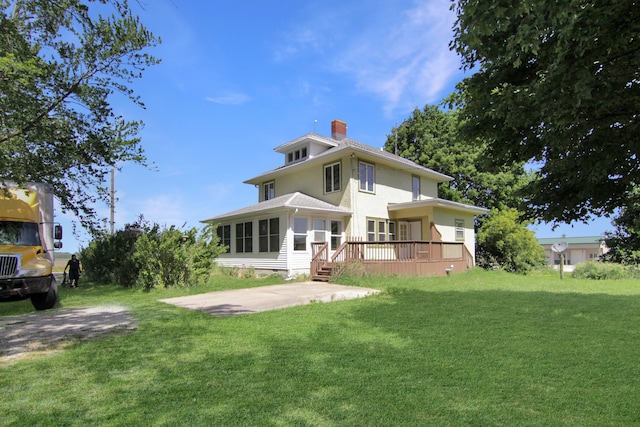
580	249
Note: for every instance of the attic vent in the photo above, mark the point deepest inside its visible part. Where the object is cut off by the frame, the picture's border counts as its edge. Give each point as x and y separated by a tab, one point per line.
338	130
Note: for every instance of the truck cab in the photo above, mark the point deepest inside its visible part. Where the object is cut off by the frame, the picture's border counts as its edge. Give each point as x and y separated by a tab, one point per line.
27	234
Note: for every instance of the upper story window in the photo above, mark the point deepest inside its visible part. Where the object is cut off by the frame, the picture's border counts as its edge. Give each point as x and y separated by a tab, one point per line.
415	187
332	178
367	172
297	155
269	190
459	229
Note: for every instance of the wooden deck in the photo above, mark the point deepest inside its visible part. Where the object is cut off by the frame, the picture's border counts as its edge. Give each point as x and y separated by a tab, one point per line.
398	257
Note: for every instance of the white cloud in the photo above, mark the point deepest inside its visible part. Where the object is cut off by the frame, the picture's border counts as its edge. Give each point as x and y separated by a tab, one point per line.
400	54
410	64
230	98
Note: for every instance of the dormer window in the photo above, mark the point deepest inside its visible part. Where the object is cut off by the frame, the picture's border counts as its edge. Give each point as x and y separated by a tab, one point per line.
297	155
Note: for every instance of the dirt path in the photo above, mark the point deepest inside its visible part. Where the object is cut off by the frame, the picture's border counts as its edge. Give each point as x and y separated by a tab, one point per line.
52	330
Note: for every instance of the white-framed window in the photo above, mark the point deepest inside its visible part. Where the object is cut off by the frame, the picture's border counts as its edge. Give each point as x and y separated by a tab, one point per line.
300	227
269	235
371	230
380	230
459	229
297	155
392	230
319	230
269	190
415	187
336	234
332	178
244	237
224	234
367	176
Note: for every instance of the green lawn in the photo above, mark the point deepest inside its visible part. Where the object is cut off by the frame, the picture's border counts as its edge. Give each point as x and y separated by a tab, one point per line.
475	349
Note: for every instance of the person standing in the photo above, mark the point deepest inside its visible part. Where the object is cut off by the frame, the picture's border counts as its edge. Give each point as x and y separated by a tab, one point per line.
74	271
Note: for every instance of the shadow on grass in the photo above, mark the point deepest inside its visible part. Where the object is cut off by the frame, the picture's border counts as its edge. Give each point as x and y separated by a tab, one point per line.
406	357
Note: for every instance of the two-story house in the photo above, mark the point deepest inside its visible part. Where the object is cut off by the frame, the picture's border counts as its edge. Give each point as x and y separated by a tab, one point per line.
337	200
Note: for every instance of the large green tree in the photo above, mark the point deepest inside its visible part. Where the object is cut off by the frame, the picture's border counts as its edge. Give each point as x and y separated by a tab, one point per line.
61	62
624	241
431	139
556	84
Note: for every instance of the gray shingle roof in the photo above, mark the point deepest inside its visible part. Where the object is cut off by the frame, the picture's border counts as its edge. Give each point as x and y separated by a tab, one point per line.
290	201
349	144
441	203
571	240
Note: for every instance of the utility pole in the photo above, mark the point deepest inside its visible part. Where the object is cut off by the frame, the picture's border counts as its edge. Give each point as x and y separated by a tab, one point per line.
113	199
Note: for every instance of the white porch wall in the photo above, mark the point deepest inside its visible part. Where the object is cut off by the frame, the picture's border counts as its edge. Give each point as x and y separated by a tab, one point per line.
445	221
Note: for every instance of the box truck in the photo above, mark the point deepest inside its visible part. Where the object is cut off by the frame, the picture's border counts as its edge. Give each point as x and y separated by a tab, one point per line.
28	237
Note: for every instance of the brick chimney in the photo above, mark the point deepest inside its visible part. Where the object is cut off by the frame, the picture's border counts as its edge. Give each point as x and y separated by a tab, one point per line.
338	130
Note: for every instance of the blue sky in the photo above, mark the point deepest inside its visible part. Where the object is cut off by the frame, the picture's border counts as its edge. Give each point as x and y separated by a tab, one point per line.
239	78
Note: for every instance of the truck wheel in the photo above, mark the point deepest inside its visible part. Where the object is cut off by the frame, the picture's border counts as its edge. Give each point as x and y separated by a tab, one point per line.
46	300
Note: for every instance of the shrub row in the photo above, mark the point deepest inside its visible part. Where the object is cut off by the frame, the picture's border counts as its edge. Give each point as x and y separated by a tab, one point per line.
153	257
605	270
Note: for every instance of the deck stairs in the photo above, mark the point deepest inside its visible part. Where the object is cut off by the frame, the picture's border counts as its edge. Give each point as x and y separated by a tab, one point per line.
323	273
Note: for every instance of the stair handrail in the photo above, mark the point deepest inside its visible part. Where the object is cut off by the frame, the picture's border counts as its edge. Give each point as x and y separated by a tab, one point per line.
320	253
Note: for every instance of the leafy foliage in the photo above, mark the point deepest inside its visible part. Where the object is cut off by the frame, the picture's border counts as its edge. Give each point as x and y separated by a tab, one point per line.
109	259
624	242
172	258
60	64
557	83
604	271
156	258
506	242
430	138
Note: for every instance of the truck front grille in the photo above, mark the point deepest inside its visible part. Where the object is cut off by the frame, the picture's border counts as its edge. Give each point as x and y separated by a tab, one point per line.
8	266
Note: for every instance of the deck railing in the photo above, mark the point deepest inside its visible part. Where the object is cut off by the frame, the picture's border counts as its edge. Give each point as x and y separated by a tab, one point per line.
393	257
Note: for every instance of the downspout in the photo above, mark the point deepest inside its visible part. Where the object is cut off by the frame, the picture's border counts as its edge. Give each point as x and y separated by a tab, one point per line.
355	229
290	241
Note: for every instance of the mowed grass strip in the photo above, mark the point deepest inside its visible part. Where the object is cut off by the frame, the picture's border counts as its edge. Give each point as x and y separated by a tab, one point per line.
479	348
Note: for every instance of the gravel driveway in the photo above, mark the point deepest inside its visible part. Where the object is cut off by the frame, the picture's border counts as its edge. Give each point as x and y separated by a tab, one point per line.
51	330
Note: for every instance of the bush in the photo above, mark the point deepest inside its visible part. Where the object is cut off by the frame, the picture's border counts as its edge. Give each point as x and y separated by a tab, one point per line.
154	258
505	242
109	259
605	271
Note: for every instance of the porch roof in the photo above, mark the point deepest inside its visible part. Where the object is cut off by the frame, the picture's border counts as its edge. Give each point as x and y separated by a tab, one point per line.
440	203
290	201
